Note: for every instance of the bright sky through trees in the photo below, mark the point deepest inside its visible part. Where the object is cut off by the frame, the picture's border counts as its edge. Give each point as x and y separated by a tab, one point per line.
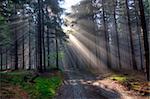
67	6
68	3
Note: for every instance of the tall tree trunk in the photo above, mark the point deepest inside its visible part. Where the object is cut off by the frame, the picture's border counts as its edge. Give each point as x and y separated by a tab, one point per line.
48	41
23	63
116	30
131	37
1	59
39	48
48	49
145	37
6	59
43	36
11	59
57	51
29	46
106	36
16	45
23	40
139	34
16	52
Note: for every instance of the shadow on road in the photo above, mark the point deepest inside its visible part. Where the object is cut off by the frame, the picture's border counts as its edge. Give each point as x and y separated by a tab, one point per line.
80	85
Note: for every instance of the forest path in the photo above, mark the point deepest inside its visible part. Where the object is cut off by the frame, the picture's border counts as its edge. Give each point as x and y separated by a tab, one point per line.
78	84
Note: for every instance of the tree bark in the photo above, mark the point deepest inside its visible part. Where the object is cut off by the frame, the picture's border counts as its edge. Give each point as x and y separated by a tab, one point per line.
106	37
29	46
48	48
131	37
145	37
43	36
16	46
39	46
1	59
57	63
6	59
139	34
117	35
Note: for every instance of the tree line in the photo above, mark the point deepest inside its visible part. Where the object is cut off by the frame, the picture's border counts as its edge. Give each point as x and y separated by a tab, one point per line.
111	34
115	34
30	34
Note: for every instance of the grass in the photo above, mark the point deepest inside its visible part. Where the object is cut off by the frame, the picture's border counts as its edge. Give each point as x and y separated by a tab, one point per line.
41	88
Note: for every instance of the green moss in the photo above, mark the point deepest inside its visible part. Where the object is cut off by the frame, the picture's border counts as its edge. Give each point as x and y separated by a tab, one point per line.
119	78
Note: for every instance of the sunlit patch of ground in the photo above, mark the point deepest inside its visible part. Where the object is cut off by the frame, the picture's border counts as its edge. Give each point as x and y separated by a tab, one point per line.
129	85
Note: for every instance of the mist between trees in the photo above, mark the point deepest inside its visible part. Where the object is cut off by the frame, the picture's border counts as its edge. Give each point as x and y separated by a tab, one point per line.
101	35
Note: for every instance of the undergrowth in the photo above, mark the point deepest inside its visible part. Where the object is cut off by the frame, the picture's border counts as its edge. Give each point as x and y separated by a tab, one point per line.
41	88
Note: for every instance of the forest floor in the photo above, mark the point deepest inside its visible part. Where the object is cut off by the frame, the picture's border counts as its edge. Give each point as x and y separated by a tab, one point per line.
77	84
9	91
129	84
80	84
29	84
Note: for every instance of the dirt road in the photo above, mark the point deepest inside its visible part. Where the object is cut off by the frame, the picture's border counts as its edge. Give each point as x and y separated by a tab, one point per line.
78	84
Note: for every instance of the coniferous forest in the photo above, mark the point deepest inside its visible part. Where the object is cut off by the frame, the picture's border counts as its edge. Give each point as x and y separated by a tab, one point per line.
74	49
